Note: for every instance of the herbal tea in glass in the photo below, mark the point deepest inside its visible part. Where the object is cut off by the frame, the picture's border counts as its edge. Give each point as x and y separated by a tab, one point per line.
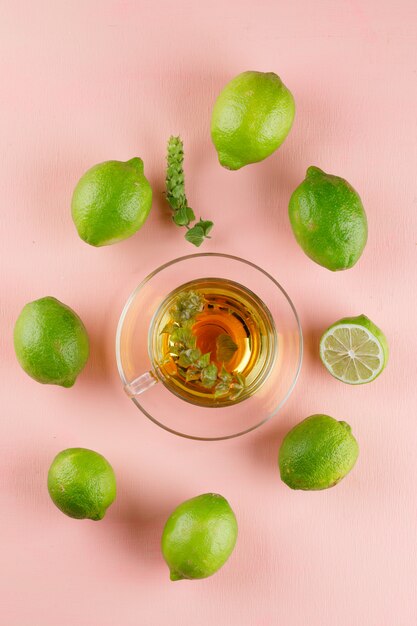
213	342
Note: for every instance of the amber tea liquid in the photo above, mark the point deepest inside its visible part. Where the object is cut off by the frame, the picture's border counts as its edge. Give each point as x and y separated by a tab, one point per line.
231	312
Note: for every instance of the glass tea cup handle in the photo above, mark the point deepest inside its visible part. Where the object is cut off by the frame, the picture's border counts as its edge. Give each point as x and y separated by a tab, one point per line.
140	384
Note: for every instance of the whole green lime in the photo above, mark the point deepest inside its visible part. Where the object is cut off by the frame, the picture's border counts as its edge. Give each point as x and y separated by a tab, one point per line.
81	483
354	350
317	453
199	537
51	342
328	220
111	202
251	118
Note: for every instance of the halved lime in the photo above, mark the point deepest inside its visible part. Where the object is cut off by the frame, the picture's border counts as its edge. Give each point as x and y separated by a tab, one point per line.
354	350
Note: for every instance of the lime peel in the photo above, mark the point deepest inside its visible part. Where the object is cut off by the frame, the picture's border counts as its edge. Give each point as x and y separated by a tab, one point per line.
317	453
199	537
251	118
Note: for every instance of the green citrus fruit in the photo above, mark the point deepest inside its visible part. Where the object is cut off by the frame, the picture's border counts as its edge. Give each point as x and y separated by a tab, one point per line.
317	453
328	220
81	483
111	202
251	118
199	537
51	342
354	350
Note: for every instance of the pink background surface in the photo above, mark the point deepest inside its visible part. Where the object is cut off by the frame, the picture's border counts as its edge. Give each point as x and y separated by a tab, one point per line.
87	81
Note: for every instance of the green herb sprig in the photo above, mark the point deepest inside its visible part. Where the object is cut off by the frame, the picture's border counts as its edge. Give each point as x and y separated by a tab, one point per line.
183	215
191	364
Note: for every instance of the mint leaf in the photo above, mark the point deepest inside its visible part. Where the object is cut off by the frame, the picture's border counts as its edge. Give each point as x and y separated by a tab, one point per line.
190	214
193	373
195	354
184	360
225	376
226	348
195	235
181	216
186	307
183	336
236	394
209	376
204	360
240	379
206	225
237	386
168	328
198	232
221	389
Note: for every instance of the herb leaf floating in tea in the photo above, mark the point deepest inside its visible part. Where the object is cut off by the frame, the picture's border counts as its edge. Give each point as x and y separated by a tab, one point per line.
194	366
183	215
187	305
226	348
209	376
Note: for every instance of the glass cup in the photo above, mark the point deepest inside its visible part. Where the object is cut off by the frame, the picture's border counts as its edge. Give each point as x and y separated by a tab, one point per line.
146	383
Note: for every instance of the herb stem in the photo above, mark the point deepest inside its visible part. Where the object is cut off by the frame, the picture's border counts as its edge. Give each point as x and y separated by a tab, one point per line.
183	215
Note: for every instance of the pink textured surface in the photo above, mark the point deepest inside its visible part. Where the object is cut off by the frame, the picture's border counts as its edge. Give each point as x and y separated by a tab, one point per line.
88	81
